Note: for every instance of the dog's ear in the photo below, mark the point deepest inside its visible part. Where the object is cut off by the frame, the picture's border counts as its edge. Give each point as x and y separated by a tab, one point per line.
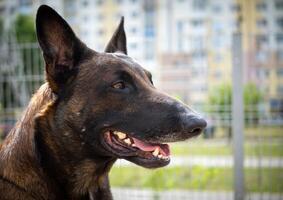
118	42
61	48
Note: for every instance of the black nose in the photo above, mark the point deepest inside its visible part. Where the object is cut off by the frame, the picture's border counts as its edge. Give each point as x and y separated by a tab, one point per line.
194	124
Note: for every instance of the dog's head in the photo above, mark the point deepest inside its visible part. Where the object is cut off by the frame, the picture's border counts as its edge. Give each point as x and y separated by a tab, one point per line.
107	101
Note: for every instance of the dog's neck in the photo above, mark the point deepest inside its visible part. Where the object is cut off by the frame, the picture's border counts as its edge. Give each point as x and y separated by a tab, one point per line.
50	158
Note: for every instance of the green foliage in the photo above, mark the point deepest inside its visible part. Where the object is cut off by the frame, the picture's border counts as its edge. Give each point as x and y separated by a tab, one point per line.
252	95
222	95
25	30
195	178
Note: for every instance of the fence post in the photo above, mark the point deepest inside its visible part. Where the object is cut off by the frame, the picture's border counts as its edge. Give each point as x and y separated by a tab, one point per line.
238	117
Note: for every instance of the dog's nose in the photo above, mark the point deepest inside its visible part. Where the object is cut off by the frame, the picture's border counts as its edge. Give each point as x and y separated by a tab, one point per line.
194	124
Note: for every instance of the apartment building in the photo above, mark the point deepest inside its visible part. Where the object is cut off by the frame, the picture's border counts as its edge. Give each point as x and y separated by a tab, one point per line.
200	32
94	21
195	42
262	30
185	43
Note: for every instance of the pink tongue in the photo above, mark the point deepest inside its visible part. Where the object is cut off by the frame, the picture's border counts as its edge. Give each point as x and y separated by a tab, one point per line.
164	148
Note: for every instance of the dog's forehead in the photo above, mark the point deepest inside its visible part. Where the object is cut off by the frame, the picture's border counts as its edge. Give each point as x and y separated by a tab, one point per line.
119	61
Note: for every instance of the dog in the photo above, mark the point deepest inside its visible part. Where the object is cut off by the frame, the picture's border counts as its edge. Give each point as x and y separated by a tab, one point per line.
93	109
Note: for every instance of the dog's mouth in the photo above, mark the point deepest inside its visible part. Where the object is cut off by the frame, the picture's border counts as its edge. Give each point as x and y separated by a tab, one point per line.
150	155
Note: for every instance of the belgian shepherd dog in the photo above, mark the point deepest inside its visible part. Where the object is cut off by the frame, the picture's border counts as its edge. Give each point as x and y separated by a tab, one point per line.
93	109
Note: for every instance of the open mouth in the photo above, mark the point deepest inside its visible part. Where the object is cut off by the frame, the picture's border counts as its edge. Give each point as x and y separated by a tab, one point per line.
143	153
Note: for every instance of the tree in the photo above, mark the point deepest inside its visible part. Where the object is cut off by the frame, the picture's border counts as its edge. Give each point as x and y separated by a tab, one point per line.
24	28
252	95
222	95
220	99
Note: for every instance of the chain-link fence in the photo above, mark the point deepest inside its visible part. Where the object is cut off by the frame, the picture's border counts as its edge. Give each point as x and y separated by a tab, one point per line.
201	168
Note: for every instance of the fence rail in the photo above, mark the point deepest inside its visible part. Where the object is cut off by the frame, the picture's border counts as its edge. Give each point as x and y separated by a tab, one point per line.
21	73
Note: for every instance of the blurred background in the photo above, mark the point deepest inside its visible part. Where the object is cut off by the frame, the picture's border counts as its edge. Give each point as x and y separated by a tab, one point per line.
190	47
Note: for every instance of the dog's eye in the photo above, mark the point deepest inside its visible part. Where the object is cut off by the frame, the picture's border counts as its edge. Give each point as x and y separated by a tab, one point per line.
119	85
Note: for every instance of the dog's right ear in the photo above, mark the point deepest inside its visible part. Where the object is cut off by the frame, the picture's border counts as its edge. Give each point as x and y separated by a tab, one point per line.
61	48
118	42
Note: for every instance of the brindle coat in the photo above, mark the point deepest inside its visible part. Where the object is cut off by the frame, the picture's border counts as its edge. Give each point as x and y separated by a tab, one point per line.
56	150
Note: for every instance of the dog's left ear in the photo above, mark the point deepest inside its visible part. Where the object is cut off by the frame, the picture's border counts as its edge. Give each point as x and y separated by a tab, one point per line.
118	42
62	50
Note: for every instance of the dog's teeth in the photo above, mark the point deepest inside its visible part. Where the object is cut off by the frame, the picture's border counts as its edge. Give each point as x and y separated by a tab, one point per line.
155	152
120	135
134	145
127	141
159	156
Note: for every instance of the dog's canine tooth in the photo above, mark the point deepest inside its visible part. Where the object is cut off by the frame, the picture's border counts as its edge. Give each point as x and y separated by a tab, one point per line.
120	135
160	156
127	141
134	145
155	152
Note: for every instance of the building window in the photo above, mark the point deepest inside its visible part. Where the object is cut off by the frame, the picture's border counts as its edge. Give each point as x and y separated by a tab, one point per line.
100	32
25	2
149	32
196	22
280	89
236	24
261	40
199	5
133	30
261	6
261	56
236	7
100	16
261	23
218	58
280	22
279	5
180	35
149	52
99	2
275	104
198	54
217	9
134	14
279	38
85	3
149	24
280	72
280	55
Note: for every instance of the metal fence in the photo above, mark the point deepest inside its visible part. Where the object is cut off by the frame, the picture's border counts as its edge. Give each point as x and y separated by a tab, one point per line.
21	73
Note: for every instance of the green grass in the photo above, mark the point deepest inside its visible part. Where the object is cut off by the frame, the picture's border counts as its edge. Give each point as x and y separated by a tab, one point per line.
258	141
253	131
264	132
200	147
196	177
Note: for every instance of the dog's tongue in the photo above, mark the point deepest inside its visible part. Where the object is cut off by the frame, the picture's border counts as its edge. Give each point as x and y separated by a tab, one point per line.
164	148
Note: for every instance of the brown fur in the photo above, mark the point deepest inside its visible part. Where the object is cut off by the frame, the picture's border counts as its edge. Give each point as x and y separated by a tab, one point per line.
22	175
63	147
